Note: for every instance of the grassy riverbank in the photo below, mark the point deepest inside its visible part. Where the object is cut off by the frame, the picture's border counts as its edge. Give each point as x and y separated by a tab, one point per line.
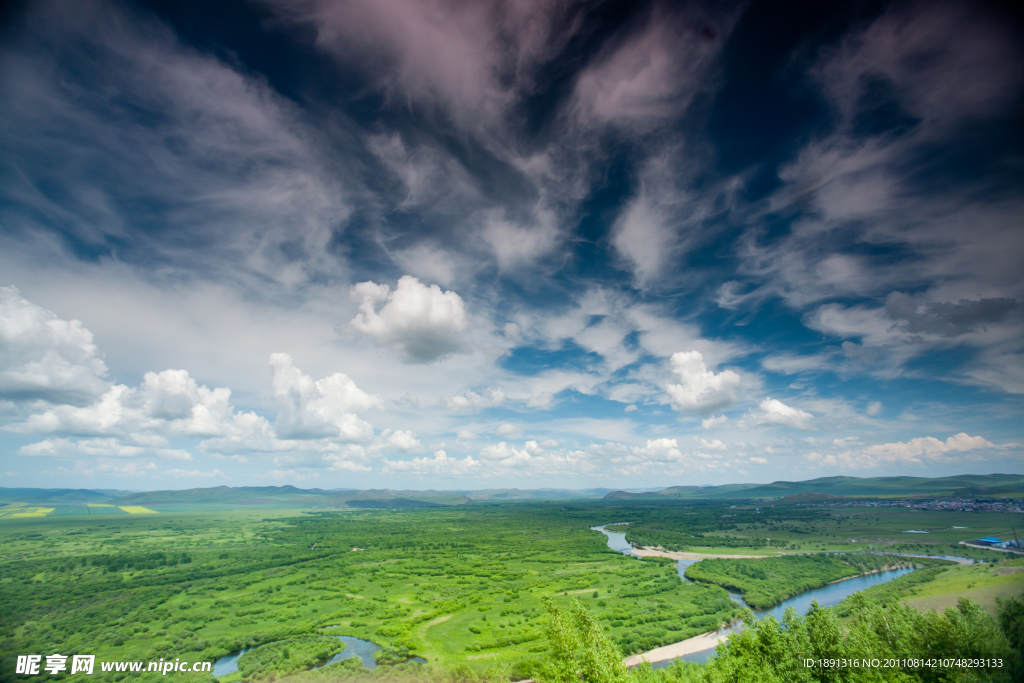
942	586
769	581
777	528
287	656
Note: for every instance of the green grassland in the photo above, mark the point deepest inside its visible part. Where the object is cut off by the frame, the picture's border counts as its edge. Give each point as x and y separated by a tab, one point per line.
777	528
982	584
448	584
941	586
459	585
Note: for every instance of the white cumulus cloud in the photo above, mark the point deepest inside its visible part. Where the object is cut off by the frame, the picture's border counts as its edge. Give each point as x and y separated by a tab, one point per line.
45	358
542	400
927	447
700	390
440	464
504	455
168	403
507	429
773	412
660	450
470	400
291	475
714	422
404	441
193	474
108	447
423	322
316	421
308	409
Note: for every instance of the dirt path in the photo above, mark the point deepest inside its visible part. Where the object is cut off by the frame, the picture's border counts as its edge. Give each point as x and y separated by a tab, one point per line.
439	620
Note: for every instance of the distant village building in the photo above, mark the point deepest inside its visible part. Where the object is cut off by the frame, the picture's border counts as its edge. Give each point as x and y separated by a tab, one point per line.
994	542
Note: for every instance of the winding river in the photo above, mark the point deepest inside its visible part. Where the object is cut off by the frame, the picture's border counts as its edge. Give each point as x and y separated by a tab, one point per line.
826	596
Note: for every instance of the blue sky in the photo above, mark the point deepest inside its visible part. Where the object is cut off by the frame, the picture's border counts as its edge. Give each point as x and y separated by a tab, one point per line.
438	244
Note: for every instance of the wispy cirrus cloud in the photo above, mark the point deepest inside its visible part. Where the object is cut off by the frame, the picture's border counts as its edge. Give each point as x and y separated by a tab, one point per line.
183	151
858	192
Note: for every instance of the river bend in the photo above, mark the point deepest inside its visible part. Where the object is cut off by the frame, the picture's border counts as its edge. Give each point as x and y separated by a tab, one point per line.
826	596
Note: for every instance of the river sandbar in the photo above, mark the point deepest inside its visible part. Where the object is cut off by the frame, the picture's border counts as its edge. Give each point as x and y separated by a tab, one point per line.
651	552
699	643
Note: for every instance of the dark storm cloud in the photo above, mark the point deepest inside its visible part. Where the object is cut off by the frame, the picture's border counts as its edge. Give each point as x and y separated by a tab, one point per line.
947	319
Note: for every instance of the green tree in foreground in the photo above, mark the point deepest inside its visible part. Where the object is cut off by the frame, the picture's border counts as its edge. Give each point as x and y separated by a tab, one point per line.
1011	621
769	651
580	651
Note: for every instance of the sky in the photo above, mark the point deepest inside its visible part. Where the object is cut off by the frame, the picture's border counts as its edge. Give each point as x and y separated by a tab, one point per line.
480	244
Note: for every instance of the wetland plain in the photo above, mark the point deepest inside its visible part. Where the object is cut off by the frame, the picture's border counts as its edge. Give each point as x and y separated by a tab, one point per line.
439	588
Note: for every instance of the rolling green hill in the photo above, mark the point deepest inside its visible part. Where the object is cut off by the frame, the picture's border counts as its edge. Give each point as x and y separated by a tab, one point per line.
222	494
54	495
967	485
352	498
962	485
285	496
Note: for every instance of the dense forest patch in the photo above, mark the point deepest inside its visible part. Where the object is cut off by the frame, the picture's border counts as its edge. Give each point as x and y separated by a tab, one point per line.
962	644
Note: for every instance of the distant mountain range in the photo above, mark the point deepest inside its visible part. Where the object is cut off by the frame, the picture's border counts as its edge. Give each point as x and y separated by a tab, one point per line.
970	485
967	485
270	495
56	495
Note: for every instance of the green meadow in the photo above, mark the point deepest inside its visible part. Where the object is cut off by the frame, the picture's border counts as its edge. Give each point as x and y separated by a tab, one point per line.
462	586
772	529
449	585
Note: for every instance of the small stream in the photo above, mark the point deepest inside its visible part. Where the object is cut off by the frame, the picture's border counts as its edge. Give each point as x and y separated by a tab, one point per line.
826	596
354	647
229	663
